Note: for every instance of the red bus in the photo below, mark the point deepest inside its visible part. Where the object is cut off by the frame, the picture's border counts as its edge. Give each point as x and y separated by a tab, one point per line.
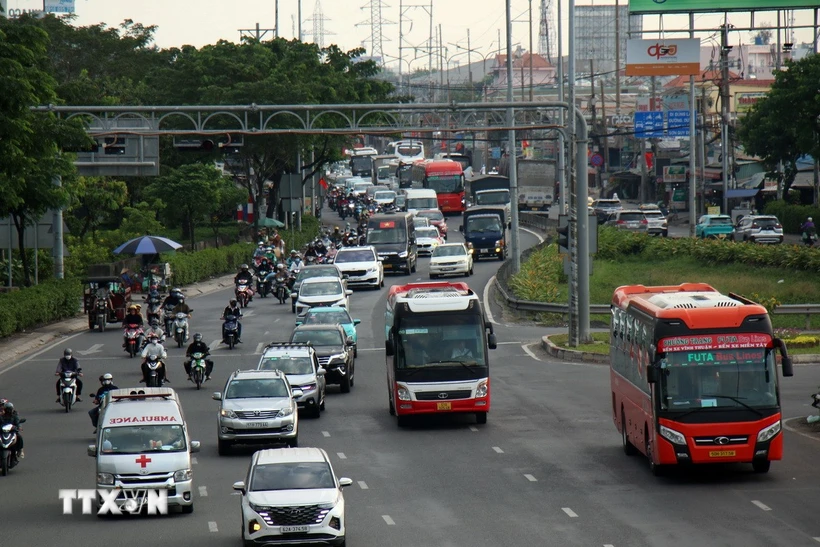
694	378
446	177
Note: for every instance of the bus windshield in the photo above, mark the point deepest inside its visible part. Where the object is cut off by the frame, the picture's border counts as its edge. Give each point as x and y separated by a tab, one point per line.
718	378
446	184
359	163
448	340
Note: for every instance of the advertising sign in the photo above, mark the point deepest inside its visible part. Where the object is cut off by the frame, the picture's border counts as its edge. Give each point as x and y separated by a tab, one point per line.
700	6
668	57
715	341
59	6
674	173
745	100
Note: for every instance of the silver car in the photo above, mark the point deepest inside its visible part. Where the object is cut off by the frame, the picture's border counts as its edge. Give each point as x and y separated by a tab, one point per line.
656	222
759	229
301	366
257	406
632	220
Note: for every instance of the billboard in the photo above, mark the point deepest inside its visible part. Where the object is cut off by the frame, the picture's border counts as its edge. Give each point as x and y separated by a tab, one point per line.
58	6
668	57
699	6
745	100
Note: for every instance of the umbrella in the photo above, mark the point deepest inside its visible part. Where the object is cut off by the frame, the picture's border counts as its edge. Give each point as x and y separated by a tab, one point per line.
147	245
272	223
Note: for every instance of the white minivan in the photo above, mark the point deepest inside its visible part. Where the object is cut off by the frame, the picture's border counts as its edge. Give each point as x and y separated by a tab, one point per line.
143	444
417	199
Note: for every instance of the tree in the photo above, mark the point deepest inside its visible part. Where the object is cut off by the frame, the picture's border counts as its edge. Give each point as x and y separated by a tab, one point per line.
96	201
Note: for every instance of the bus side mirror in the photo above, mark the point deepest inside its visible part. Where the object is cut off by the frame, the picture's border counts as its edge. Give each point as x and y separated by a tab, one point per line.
389	347
785	361
491	341
461	228
651	374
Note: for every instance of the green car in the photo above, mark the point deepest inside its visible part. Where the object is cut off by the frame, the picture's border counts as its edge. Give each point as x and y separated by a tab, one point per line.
333	316
714	227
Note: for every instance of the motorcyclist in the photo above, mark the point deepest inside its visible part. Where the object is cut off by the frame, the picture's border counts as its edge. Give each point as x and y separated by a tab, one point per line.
132	319
245	277
198	346
154	348
260	250
233	309
69	363
265	267
281	275
156	330
311	251
295	262
182	307
809	230
106	385
336	236
173	298
9	416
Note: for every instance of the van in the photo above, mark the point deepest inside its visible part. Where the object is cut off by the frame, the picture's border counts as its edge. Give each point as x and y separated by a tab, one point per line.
393	237
143	444
420	198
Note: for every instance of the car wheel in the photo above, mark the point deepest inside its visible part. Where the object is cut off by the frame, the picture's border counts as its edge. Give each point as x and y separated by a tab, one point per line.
352	373
355	351
187	509
629	448
414	268
761	466
317	411
381	284
223	447
390	405
403	421
294	442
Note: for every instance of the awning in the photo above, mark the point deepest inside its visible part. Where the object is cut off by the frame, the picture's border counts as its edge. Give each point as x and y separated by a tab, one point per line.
741	193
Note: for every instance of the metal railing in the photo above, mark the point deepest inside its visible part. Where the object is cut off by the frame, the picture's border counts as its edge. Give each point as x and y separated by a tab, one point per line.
534	220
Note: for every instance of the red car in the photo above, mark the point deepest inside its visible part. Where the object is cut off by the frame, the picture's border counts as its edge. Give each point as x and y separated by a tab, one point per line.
436	219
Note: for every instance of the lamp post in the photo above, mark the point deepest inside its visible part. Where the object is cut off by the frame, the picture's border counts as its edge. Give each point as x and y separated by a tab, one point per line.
514	250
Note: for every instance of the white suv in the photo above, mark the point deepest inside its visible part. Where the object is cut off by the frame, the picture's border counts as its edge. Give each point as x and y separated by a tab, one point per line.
361	265
301	366
292	495
322	292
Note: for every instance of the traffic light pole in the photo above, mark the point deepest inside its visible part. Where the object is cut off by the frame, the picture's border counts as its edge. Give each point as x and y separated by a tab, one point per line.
582	224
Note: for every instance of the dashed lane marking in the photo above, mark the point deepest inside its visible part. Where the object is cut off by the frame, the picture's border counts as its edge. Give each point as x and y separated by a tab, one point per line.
259	347
212	527
570	513
215	344
363	485
325	434
530	477
49	347
498	450
341	455
194	461
473	428
370	349
203	491
388	520
539	236
529	352
761	505
487	309
267	332
608	545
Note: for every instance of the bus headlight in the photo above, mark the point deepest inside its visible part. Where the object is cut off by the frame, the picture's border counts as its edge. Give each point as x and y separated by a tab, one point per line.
768	432
672	436
482	389
402	392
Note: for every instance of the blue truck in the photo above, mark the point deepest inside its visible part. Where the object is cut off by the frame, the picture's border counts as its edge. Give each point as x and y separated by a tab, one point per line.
485	232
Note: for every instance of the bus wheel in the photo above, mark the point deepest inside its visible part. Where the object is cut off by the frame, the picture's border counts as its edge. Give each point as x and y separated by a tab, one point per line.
403	421
761	466
481	417
654	468
629	448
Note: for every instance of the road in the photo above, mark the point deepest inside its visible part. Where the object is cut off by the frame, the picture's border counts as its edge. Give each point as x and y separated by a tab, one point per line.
547	468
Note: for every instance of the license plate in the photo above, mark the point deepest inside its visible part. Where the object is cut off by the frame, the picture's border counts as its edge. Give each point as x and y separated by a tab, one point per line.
484	250
258	424
721	453
534	208
293	529
444	406
447	269
388	266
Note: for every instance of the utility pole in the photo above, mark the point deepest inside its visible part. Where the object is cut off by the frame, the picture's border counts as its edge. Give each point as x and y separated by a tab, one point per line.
693	186
299	15
430	49
617	58
592	109
724	111
276	19
440	59
562	166
777	69
470	67
530	4
605	127
513	174
57	229
401	40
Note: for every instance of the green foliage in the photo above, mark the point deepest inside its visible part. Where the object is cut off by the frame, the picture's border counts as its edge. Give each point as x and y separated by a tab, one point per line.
804	341
84	253
95	201
140	220
538	278
44	303
791	216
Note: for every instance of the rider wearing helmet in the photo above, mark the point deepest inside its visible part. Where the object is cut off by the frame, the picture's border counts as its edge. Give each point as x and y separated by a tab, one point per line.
182	307
173	298
295	261
69	363
156	330
106	385
9	416
233	309
244	276
154	348
133	317
198	346
260	250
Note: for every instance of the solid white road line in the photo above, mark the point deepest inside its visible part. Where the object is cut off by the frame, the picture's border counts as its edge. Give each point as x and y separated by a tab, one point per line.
762	505
536	234
42	351
341	455
530	477
363	485
816	539
388	520
529	352
325	434
608	545
497	449
203	491
473	428
570	513
487	309
212	527
248	313
259	347
370	349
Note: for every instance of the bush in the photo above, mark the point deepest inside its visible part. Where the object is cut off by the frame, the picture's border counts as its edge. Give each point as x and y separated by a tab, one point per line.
804	341
536	281
791	216
43	303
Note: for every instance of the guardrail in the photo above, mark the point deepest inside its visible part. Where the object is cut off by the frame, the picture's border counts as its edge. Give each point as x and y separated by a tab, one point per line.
534	220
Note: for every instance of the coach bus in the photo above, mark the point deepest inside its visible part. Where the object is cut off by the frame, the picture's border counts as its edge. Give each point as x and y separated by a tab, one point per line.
445	177
406	151
436	343
694	376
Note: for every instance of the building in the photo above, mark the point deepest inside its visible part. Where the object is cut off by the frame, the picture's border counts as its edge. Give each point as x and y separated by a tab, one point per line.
595	36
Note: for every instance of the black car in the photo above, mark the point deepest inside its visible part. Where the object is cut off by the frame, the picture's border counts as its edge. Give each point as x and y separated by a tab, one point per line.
334	350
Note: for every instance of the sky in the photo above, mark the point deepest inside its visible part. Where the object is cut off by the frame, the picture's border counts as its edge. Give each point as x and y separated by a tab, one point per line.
202	22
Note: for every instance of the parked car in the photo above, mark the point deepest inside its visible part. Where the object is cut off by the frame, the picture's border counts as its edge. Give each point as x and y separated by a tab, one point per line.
334	349
632	220
436	218
451	259
603	207
759	229
714	226
302	369
656	222
427	239
322	291
292	494
333	316
361	266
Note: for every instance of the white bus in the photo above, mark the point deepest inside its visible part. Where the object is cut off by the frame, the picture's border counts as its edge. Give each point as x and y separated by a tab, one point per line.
406	151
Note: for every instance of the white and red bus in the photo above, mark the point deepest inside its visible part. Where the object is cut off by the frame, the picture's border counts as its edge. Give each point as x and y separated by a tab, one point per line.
436	343
694	376
446	177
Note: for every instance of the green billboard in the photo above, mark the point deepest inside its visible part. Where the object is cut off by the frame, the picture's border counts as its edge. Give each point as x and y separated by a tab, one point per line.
698	6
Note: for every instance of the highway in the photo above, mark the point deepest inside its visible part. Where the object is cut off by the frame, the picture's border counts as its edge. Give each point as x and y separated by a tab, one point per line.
546	470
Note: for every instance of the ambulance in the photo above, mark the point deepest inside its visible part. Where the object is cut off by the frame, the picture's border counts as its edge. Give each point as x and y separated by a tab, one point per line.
143	445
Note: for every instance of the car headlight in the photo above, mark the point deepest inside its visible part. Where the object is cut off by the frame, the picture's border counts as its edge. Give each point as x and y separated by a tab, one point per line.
371	269
768	432
498	243
672	436
227	413
338	357
257	508
183	475
308	387
105	478
481	390
330	504
403	254
287	411
402	392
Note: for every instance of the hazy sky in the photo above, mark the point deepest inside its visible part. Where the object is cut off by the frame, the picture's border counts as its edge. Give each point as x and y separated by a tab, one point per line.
201	22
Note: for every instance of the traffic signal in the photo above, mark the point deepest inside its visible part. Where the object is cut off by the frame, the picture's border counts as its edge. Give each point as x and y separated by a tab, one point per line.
563	239
114	146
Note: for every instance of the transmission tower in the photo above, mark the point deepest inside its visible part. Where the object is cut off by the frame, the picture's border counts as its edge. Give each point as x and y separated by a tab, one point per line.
318	33
546	32
376	22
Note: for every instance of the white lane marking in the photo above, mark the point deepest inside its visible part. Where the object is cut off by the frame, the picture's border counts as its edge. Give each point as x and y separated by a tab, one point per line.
42	351
96	348
761	505
786	426
267	332
248	313
473	428
236	493
570	513
215	344
530	477
487	309
529	352
341	455
194	461
507	343
363	485
371	349
497	449
325	434
608	545
212	527
203	491
816	539
388	520
536	234
259	347
277	319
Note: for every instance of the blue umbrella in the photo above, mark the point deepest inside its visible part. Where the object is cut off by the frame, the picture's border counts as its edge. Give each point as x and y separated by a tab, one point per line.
147	245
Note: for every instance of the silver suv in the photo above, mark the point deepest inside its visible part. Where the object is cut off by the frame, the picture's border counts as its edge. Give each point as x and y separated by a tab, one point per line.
759	229
258	406
656	222
632	220
302	369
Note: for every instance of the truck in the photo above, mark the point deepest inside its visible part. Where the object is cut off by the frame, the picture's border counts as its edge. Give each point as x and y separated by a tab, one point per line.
490	190
485	232
536	184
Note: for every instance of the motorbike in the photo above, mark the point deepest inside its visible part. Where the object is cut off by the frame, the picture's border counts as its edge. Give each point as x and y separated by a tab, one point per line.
133	339
281	292
169	318
154	364
154	312
8	438
263	286
243	295
198	368
231	331
68	389
809	239
180	328
101	310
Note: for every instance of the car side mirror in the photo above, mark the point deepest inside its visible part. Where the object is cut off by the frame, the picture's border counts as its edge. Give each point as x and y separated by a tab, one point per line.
195	446
216	396
344	481
785	360
321	371
92	450
356	322
491	341
239	487
348	292
297	393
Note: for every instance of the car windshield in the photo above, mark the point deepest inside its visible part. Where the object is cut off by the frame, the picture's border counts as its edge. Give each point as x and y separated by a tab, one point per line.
440	341
493	198
320	288
421	203
328	318
631	217
256	388
449	250
318	337
361	186
432	215
362	255
719	221
383	172
426	232
137	439
287	364
767	222
607	204
317	272
376	236
360	162
291	476
384	196
653	214
485	224
408	150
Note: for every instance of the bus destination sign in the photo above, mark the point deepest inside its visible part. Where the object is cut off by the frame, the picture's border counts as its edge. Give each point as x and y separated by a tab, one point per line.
715	341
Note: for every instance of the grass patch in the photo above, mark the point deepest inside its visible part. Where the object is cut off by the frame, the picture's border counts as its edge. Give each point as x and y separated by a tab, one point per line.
600	343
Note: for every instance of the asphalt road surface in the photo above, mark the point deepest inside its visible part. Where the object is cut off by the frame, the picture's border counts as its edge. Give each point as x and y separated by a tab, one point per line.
546	470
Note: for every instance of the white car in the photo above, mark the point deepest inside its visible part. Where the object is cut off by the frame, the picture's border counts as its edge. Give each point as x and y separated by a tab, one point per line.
427	239
361	265
451	259
385	197
292	495
322	292
360	188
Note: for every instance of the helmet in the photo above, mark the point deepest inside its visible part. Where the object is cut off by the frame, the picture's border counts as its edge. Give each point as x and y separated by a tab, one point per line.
243	267
294	251
132	307
197	337
106	379
8	407
67	352
154	322
261	243
233	301
176	290
809	219
280	266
